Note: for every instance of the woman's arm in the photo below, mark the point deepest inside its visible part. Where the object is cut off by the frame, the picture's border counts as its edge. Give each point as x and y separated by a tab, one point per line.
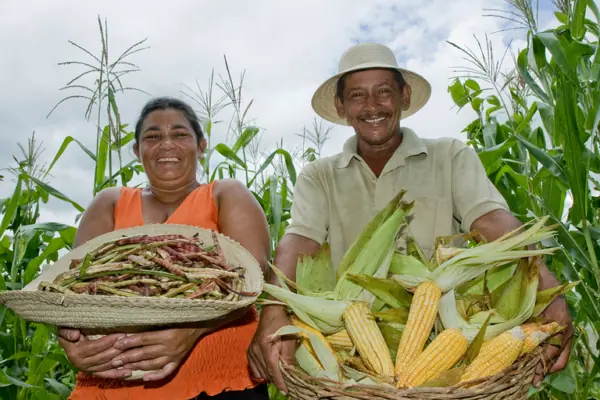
94	356
242	219
98	218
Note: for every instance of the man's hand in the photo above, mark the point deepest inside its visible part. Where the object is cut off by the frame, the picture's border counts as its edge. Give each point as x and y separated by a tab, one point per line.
264	353
92	356
555	358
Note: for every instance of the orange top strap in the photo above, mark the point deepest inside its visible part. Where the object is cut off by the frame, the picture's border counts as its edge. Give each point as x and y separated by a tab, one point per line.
218	361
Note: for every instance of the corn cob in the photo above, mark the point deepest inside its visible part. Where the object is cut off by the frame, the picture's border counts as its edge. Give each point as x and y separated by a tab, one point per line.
537	333
496	354
367	338
441	355
421	318
340	340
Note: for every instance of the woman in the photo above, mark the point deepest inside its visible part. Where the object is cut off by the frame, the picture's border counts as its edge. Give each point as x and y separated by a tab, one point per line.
191	362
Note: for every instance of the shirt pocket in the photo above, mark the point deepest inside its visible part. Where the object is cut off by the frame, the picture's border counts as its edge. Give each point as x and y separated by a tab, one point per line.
431	218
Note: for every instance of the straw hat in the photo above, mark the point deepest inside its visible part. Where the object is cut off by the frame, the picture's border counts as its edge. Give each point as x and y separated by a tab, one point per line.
366	56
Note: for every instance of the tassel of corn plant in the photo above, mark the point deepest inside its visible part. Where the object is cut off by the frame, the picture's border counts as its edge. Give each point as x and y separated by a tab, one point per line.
496	354
421	318
441	355
340	340
367	338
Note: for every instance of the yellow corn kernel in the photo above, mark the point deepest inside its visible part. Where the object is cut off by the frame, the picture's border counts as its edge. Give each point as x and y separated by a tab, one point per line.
340	340
367	338
421	317
537	333
496	354
439	356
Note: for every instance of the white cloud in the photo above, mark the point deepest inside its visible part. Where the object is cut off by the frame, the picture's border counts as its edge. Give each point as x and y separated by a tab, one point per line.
286	48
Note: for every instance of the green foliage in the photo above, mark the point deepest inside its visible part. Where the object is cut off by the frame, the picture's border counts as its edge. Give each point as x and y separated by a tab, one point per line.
537	136
536	133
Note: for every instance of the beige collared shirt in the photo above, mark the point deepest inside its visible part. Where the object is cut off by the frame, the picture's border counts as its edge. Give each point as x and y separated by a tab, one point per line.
336	196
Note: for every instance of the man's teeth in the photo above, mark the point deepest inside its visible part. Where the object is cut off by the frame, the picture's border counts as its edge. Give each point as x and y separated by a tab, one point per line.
168	159
375	120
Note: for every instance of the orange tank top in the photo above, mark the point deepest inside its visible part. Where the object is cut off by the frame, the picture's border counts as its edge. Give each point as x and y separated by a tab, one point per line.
217	362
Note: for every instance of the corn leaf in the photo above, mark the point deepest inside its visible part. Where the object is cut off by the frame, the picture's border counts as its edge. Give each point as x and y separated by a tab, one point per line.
547	296
398	315
315	274
446	378
387	290
475	345
320	313
375	257
359	243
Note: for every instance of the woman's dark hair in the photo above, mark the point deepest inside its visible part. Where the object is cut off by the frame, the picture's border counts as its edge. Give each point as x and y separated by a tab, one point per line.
166	103
341	83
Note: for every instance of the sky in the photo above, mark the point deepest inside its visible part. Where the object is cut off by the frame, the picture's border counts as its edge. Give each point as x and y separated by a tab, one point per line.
284	49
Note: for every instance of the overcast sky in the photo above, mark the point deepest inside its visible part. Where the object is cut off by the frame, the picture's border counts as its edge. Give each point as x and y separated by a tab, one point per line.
286	49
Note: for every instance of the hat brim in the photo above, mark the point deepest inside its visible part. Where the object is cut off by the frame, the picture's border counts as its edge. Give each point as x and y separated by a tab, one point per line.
323	101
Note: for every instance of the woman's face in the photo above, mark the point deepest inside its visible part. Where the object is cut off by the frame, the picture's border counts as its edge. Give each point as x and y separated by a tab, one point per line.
168	149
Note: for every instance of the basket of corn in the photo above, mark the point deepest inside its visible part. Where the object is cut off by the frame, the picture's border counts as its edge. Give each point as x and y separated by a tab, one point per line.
389	323
148	276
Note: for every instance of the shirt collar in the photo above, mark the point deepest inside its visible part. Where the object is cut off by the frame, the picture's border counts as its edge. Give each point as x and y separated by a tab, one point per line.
411	145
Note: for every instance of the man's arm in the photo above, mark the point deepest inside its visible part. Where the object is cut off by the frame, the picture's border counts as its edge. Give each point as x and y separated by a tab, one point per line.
480	207
497	223
303	237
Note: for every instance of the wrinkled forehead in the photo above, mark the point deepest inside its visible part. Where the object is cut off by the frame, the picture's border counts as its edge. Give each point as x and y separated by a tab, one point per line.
167	118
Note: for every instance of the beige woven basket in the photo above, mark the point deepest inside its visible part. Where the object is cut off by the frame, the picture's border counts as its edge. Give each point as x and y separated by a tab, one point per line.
511	384
104	314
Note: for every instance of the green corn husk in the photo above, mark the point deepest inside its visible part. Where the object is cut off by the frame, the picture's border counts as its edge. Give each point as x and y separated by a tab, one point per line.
547	296
387	290
359	243
315	274
320	313
375	257
508	303
329	366
409	270
475	261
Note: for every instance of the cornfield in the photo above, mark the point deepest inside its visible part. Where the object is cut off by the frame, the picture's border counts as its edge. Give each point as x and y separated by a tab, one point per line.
536	132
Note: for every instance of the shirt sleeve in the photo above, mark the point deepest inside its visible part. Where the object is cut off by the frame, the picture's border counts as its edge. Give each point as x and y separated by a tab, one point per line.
473	194
309	212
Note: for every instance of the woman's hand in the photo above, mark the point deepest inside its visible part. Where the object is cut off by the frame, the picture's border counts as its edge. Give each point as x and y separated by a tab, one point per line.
92	356
161	351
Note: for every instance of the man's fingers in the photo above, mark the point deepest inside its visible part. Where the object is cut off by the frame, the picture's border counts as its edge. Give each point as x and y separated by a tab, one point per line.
539	375
288	350
563	358
137	355
273	356
257	367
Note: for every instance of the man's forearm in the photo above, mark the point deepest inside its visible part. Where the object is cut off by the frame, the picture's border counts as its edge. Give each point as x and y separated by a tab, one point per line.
497	223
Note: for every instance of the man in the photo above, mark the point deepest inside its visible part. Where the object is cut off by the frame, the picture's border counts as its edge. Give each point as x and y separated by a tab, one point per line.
335	197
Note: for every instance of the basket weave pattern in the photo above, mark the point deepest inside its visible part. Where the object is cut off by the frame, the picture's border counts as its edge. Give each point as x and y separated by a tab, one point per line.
511	384
106	312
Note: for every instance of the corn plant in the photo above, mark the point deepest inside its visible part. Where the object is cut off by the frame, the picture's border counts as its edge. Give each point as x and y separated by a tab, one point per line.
32	365
536	133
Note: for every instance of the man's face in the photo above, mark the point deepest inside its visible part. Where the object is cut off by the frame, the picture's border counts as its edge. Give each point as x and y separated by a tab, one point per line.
372	104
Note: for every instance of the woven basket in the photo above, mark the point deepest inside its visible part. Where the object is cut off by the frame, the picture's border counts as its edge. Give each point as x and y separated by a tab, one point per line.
104	314
511	384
